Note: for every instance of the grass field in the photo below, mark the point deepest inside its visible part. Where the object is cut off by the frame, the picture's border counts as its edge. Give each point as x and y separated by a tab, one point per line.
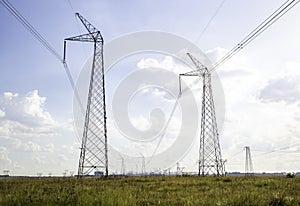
151	191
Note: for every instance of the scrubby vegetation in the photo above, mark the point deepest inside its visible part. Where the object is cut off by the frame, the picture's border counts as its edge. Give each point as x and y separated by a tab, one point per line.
151	191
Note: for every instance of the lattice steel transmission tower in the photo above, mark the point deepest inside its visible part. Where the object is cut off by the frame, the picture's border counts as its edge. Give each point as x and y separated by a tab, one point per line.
123	167
210	159
248	162
93	151
143	168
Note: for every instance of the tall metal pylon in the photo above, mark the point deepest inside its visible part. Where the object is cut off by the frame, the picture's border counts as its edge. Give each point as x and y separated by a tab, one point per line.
123	167
210	159
143	168
248	162
93	151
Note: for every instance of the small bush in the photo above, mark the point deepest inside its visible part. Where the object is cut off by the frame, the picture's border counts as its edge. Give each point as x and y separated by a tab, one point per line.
290	175
227	180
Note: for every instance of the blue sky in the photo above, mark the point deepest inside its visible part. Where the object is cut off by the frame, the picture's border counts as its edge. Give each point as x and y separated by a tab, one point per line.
261	84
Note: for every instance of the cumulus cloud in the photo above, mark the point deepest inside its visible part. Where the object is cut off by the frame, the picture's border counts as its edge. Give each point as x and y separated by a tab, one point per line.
25	115
26	109
2	113
234	67
250	121
32	147
31	135
63	157
167	63
284	87
49	148
4	159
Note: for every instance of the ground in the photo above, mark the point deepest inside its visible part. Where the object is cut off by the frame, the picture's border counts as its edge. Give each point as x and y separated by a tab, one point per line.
158	190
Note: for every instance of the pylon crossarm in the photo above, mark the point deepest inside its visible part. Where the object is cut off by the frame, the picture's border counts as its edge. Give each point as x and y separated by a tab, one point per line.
85	38
198	64
91	29
197	72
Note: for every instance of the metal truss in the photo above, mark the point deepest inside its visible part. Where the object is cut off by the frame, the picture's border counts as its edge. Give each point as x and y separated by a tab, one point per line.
93	151
248	162
210	159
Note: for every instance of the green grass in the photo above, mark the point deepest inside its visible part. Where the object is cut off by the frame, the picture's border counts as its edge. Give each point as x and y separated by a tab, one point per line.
151	191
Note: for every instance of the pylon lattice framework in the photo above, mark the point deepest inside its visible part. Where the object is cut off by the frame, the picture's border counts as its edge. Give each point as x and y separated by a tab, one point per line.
248	162
93	151
210	159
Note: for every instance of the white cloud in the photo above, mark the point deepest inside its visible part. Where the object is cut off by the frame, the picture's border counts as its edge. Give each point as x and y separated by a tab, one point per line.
249	121
252	122
30	133
26	109
72	149
177	67
49	148
148	63
32	147
25	116
284	87
38	159
234	67
168	63
4	159
140	122
63	157
17	143
2	113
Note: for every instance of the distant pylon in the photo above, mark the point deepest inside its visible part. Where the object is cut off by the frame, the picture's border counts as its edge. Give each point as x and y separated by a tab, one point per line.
248	162
210	159
143	164
179	170
123	168
93	151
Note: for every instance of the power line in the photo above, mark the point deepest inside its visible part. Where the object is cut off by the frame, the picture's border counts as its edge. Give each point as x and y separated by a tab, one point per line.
30	28
236	154
39	37
277	14
210	21
21	19
164	131
282	149
278	150
78	27
69	1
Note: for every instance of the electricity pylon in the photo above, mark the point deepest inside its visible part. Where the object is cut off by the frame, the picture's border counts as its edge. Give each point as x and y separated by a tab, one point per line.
210	159
248	162
93	151
143	164
123	167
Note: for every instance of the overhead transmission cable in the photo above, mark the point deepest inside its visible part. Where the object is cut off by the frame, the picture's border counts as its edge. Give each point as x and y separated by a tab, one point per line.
176	102
30	28
210	21
282	149
69	1
21	19
78	27
277	14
